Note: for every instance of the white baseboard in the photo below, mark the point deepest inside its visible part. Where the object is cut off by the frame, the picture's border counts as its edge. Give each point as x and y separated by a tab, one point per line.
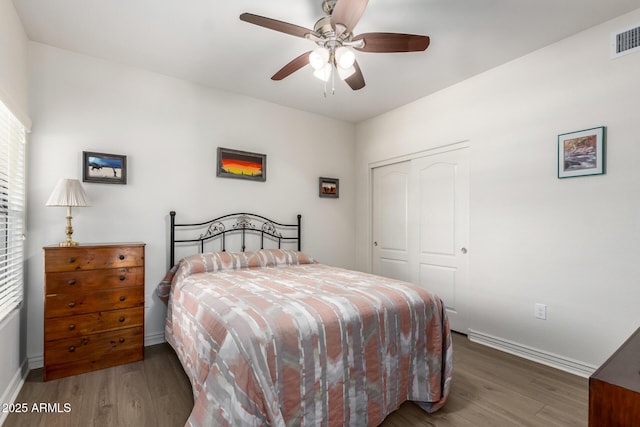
14	387
154	338
35	362
555	361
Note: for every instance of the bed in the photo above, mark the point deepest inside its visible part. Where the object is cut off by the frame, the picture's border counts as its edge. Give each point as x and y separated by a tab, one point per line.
271	337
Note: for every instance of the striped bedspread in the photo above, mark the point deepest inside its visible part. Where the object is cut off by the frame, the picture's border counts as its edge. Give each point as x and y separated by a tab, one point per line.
272	338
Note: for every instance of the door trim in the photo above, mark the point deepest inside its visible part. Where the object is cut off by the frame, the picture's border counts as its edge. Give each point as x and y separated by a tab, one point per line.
424	153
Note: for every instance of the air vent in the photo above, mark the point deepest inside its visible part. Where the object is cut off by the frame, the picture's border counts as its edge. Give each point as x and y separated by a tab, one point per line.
625	42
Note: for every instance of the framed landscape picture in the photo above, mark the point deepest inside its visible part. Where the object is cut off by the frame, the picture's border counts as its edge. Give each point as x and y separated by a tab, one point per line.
329	187
581	153
241	165
104	168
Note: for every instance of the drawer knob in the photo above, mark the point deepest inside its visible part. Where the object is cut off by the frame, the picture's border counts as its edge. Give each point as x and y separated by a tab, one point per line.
72	349
71	282
72	304
121	340
121	319
122	298
72	327
121	257
72	260
122	277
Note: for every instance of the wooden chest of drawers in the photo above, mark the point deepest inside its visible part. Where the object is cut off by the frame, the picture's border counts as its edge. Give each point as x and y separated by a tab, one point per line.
614	389
93	307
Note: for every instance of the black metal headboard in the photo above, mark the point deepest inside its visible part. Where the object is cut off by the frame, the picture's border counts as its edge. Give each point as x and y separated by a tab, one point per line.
237	224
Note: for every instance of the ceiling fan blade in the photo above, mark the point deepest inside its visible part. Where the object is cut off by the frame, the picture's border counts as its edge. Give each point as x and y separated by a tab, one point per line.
348	13
392	42
274	24
292	66
356	80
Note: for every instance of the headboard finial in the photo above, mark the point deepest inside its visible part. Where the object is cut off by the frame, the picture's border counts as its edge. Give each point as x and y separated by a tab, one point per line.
172	233
299	232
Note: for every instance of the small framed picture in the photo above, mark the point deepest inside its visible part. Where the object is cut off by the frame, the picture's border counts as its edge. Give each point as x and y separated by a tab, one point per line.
104	168
241	165
581	153
329	187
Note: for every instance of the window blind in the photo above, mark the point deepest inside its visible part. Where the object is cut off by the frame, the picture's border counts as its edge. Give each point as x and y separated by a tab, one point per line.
12	210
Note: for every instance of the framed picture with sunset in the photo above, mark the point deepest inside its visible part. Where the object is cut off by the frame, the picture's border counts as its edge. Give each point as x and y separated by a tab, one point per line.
241	165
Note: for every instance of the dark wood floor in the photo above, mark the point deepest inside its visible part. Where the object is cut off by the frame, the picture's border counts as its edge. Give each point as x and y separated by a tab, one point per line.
489	388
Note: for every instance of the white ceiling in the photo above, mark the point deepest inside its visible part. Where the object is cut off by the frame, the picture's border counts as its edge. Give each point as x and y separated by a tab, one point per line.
203	41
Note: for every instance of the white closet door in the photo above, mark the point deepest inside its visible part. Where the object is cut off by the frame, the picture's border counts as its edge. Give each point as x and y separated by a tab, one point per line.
421	226
390	221
440	209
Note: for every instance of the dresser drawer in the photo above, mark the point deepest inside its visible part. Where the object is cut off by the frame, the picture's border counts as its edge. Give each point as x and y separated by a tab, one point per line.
85	280
92	257
85	324
88	353
59	305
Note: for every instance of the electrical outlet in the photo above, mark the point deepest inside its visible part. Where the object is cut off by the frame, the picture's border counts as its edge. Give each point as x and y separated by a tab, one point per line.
541	311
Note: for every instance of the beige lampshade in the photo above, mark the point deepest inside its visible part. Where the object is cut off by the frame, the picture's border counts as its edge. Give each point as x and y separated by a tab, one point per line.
68	192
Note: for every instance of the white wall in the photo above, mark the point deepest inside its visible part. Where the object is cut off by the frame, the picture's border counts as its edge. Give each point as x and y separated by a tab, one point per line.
14	88
169	130
572	243
13	93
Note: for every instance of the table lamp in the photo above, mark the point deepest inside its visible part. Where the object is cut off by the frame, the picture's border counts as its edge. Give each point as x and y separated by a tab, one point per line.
68	193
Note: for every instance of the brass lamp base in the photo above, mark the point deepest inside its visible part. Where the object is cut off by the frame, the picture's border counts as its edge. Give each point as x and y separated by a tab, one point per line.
69	232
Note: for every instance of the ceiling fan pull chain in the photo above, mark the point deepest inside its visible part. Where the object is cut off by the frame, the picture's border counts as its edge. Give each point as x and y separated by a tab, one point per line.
333	81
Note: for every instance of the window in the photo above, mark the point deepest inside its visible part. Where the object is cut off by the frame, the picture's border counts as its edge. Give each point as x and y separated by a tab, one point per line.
12	210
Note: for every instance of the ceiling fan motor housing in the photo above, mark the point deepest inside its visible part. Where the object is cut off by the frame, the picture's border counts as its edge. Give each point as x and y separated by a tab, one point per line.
323	26
330	36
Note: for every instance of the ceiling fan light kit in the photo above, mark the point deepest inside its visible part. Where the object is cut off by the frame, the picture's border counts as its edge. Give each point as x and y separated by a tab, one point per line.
319	57
345	73
333	34
323	60
345	57
324	72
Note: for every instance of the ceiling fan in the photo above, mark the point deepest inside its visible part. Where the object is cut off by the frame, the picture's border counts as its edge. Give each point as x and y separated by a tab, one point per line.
333	33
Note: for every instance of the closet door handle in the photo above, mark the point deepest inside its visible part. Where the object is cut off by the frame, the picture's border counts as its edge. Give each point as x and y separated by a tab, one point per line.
463	250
